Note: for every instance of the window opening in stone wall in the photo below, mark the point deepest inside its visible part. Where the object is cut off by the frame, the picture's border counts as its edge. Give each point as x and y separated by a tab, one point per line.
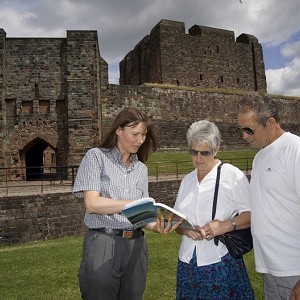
60	106
11	108
221	79
36	91
201	77
218	50
44	107
27	107
237	80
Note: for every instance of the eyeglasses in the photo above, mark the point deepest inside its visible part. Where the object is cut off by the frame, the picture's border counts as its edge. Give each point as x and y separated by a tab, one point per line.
247	130
202	153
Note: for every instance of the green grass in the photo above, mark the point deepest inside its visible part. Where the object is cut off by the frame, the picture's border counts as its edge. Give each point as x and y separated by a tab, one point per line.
48	269
162	164
40	270
177	156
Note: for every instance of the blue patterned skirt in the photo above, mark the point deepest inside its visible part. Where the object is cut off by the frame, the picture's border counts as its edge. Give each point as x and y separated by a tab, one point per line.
227	279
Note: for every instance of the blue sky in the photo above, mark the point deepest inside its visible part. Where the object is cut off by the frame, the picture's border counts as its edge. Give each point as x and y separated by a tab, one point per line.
121	24
273	58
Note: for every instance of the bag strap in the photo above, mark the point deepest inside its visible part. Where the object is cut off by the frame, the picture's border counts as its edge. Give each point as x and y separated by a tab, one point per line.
216	191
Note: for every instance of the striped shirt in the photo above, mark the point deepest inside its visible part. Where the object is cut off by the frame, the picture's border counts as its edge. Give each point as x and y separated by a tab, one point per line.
103	170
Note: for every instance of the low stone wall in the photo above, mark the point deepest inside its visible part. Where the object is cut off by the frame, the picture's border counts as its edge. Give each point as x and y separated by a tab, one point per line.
30	218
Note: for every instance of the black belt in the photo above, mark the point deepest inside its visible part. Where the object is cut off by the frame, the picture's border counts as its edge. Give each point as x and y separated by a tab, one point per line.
125	233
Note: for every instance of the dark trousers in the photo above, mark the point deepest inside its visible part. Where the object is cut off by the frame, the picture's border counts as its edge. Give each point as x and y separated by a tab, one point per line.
113	267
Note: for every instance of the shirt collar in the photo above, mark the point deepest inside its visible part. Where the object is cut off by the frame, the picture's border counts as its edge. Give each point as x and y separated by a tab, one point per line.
115	152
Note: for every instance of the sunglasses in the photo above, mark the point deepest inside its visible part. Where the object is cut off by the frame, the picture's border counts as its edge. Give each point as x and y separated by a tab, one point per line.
247	130
202	153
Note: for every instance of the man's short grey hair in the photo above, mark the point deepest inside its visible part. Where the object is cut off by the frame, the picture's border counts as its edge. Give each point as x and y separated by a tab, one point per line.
262	104
204	132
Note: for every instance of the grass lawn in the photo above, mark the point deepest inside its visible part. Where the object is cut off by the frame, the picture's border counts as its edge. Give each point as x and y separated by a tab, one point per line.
162	164
177	156
48	269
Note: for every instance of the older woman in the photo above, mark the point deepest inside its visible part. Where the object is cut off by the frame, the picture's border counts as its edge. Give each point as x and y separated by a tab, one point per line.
206	271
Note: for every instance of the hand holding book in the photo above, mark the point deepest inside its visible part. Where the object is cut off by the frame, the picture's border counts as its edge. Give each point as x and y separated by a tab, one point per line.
146	210
163	226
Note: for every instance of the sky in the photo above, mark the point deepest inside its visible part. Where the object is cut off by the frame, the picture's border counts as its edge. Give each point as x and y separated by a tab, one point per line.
121	24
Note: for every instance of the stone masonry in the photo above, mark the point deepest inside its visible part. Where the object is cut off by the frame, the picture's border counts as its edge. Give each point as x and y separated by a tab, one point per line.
55	96
38	217
205	57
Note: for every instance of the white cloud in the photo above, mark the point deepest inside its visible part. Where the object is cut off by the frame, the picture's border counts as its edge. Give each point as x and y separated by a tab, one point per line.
291	49
122	24
285	81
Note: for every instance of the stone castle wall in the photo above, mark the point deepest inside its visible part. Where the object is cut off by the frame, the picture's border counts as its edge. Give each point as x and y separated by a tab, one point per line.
47	86
171	110
54	92
41	217
35	107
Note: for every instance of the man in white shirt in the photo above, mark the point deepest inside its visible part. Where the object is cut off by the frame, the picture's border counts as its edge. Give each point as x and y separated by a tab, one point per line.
275	195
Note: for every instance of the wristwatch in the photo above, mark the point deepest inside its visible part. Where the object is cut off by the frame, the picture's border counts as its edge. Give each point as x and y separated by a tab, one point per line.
233	223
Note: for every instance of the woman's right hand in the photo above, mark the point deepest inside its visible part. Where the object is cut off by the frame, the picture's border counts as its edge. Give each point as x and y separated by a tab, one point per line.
194	234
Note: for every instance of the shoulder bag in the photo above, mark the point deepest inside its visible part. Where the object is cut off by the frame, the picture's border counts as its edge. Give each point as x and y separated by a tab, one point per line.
238	242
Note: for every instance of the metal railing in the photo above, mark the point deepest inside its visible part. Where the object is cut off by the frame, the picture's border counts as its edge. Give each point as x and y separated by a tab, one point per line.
36	179
55	179
177	169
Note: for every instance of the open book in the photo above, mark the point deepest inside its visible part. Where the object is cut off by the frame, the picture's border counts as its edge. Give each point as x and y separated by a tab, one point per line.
145	210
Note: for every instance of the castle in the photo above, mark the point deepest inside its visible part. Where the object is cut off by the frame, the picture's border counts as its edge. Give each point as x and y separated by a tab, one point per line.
56	101
205	57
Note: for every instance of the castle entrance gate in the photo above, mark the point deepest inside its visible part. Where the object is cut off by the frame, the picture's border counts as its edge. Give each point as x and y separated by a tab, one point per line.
36	159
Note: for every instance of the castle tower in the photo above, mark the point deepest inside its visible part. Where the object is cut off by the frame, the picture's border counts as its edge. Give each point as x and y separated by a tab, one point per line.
50	100
205	57
84	105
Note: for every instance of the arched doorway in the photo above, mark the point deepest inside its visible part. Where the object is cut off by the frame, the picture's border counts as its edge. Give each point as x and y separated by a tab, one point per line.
34	154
